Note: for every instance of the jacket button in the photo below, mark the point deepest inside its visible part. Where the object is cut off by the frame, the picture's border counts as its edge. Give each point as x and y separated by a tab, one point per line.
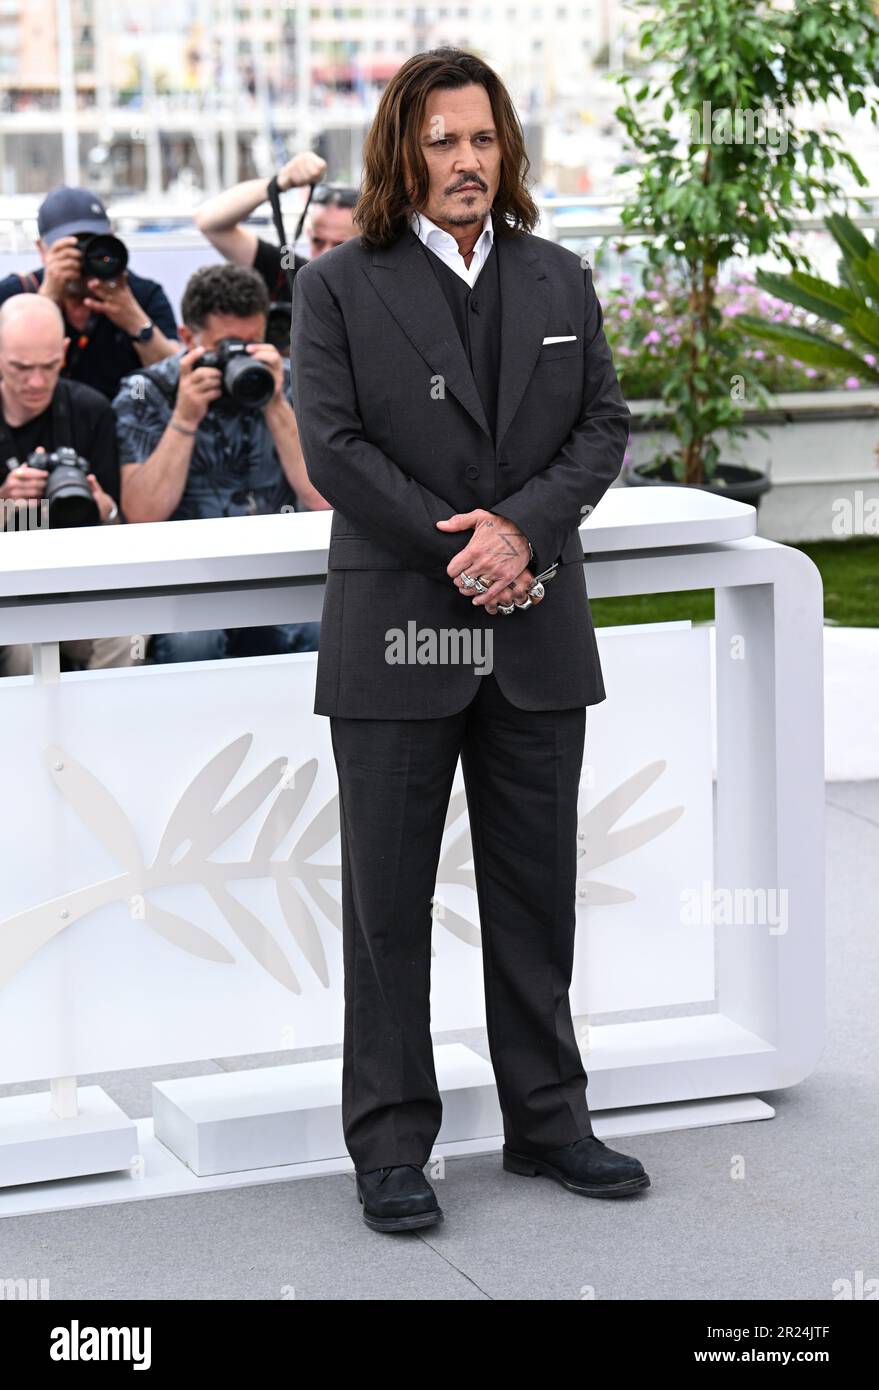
472	471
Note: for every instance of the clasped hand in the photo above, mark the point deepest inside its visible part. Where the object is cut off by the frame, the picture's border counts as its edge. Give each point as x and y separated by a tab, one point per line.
498	551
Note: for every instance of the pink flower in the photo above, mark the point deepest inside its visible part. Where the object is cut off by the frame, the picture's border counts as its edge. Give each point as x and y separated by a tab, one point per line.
852	383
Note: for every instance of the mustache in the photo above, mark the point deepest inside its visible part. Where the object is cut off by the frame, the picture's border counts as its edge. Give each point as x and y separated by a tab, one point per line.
473	178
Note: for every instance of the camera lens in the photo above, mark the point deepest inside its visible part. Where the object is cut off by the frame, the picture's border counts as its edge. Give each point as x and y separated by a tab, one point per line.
249	382
103	256
70	499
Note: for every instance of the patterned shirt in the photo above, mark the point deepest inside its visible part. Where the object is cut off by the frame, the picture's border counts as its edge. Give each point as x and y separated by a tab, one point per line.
234	469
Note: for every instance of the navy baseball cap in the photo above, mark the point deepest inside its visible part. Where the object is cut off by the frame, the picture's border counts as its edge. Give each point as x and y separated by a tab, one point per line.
65	211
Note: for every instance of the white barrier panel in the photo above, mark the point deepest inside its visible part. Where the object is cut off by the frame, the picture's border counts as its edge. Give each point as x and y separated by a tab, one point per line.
149	912
172	836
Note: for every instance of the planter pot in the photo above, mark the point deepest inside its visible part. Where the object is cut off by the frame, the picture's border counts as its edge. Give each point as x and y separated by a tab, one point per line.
820	450
733	480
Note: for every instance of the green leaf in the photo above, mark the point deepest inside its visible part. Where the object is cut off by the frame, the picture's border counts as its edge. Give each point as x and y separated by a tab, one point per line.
864	324
851	241
805	345
833	302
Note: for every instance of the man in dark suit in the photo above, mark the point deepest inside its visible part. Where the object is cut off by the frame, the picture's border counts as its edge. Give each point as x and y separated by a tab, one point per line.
458	407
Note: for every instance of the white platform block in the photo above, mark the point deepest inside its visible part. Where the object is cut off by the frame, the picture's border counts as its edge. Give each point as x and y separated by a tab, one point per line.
270	1117
36	1145
160	1174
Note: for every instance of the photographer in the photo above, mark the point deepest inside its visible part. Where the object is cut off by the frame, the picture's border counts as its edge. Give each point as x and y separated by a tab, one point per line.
210	432
116	321
40	414
328	222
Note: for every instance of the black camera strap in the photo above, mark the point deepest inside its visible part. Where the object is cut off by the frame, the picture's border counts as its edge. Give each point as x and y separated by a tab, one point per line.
62	423
275	200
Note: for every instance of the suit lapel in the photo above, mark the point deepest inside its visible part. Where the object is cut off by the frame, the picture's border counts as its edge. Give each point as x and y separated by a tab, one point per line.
411	293
525	299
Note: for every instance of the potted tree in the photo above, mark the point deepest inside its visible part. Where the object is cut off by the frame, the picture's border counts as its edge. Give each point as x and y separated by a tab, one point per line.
719	166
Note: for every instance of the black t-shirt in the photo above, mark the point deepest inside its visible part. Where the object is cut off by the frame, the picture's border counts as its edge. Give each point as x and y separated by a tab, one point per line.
79	417
107	354
267	263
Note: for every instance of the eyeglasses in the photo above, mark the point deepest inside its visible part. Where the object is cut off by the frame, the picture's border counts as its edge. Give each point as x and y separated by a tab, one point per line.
335	195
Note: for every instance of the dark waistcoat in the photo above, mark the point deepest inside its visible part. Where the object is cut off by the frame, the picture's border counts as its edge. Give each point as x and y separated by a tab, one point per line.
477	315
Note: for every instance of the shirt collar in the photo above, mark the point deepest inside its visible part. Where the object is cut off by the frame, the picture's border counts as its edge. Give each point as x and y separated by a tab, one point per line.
434	236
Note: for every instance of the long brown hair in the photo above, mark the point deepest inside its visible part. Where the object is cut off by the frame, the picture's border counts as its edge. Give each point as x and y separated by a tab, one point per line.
383	208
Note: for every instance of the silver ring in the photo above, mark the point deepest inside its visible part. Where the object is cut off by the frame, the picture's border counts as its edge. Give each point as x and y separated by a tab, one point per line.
537	590
506	608
526	604
480	587
468	581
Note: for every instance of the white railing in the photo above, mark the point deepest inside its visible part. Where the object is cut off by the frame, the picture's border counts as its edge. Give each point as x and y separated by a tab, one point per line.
152	912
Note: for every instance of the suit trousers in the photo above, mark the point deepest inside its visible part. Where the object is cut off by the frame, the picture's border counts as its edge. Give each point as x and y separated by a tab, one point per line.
521	773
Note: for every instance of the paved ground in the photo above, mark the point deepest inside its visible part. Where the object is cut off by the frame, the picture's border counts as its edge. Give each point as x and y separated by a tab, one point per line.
804	1218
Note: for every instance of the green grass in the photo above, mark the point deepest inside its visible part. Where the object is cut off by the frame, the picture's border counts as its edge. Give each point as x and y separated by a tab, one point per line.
849	569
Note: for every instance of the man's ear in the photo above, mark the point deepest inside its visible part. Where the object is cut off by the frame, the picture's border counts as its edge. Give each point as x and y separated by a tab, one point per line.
42	248
64	346
185	335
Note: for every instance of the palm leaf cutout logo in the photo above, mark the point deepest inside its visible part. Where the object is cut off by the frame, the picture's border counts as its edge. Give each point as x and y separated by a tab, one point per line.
189	840
192	835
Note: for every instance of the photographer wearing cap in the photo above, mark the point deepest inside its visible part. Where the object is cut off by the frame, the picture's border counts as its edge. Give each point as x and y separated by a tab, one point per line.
210	432
41	416
116	321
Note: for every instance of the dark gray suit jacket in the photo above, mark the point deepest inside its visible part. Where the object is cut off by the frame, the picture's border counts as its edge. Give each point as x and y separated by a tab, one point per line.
395	437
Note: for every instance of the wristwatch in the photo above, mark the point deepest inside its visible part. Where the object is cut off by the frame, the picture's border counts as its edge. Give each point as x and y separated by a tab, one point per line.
112	515
144	334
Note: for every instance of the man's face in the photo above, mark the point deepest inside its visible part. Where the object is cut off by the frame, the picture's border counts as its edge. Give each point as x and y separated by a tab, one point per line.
461	147
31	357
328	227
218	326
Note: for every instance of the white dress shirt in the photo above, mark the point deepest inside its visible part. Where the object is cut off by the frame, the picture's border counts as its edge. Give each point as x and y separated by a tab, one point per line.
444	245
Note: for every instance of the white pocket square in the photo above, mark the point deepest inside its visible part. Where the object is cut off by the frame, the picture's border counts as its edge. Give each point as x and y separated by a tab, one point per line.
571	338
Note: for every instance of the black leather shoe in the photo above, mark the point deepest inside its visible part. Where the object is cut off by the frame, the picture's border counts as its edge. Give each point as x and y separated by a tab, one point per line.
398	1198
587	1166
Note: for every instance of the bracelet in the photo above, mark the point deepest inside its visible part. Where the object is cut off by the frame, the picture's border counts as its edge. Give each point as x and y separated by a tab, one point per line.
182	430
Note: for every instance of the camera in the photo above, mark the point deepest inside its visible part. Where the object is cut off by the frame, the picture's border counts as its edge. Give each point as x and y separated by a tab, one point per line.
247	382
278	325
70	499
104	256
